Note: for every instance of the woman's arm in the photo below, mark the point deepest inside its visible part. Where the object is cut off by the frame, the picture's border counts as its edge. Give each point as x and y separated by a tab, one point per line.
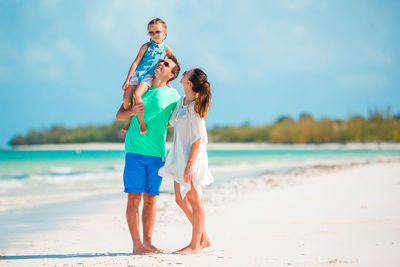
134	65
188	175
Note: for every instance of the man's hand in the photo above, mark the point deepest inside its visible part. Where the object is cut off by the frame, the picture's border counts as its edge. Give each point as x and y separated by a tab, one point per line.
188	175
125	85
136	109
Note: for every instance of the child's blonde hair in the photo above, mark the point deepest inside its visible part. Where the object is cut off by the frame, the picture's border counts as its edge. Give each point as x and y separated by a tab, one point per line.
158	21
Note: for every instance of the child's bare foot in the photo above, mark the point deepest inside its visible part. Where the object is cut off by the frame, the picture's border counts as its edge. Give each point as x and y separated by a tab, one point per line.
126	128
188	250
143	129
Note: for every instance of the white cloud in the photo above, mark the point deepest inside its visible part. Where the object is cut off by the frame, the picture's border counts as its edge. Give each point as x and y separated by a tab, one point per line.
9	55
49	5
50	61
297	6
69	50
121	25
223	70
290	46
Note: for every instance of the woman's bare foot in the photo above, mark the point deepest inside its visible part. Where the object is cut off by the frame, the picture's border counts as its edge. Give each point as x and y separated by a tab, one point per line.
188	250
205	244
205	241
141	251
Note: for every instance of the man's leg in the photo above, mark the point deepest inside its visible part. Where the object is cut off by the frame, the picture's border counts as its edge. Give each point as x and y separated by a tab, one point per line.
148	216
132	217
152	190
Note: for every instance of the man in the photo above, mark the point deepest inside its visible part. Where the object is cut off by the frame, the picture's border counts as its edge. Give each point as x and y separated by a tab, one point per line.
145	152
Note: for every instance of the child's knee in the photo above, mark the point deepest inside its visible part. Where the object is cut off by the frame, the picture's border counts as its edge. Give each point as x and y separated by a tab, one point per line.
126	102
137	97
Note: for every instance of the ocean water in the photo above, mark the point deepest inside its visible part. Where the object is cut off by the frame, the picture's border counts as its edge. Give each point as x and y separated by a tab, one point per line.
32	178
41	189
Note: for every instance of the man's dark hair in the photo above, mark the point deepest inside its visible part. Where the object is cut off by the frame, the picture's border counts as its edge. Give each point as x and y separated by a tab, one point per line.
176	69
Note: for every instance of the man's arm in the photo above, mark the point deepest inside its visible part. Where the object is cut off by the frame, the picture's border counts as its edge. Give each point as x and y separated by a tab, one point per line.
125	114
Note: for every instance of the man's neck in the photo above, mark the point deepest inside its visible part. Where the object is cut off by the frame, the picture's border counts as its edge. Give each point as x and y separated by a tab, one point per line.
158	83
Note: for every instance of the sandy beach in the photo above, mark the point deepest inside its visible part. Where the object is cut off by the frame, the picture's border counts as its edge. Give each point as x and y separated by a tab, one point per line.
327	215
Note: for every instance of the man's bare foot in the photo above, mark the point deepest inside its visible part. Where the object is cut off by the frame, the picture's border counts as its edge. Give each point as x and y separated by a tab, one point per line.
141	251
152	248
143	129
188	250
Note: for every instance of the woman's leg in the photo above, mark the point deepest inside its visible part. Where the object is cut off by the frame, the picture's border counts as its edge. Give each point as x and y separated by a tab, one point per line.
182	203
187	209
198	218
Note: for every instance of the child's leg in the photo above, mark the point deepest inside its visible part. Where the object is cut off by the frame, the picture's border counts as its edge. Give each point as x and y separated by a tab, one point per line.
126	100
126	127
128	94
187	209
137	96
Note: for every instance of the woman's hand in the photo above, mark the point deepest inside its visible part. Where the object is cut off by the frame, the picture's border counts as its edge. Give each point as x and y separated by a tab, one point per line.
188	175
125	85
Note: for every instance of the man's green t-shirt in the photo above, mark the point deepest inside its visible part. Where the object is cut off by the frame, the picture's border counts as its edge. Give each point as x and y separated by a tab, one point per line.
158	102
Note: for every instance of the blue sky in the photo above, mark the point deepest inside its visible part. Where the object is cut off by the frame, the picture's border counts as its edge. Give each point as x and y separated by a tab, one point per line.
63	62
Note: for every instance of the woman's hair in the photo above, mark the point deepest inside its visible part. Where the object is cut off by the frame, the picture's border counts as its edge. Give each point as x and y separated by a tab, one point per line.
201	86
158	21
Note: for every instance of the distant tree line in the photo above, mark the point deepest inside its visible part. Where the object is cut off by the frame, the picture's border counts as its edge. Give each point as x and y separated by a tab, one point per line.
378	126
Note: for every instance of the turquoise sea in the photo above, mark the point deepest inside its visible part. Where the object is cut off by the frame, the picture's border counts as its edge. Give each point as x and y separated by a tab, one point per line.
41	174
33	183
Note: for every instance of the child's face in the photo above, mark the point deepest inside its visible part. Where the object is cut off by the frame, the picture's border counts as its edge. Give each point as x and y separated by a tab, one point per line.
156	32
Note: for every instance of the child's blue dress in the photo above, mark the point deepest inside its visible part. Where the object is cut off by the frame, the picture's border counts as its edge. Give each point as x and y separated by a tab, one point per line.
154	53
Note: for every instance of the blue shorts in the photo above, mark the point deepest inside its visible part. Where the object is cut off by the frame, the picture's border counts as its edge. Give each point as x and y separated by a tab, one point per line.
141	174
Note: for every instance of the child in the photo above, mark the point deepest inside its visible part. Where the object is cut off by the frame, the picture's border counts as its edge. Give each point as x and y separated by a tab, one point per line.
187	162
142	69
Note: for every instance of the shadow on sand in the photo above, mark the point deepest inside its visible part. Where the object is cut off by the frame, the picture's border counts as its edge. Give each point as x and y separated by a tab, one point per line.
63	256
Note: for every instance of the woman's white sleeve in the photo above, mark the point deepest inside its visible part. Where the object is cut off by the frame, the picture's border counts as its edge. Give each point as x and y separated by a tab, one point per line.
172	118
198	129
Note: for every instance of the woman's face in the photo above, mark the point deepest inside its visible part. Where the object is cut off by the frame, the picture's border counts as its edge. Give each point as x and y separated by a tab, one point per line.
187	85
156	32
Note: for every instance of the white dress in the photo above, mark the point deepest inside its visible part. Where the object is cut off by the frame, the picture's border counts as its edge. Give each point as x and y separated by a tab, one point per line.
188	128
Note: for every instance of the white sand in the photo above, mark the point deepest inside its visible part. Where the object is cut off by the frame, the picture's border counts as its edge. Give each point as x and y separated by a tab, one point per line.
326	216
